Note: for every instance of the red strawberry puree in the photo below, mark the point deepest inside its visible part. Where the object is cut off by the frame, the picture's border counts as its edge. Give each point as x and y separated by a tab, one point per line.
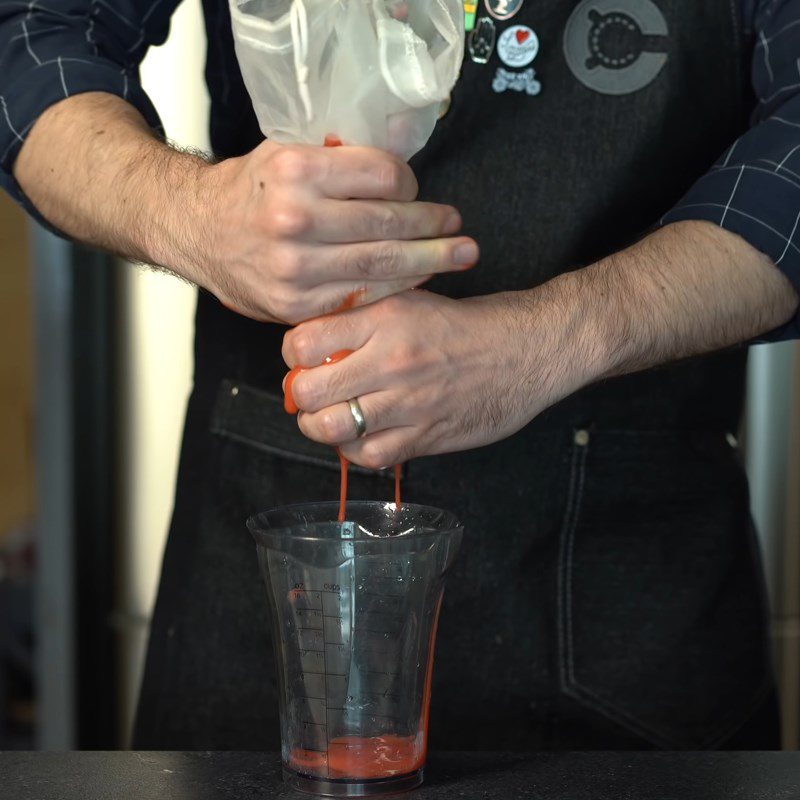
361	758
356	757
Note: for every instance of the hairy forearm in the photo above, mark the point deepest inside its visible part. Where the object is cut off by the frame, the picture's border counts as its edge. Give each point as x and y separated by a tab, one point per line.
95	170
687	289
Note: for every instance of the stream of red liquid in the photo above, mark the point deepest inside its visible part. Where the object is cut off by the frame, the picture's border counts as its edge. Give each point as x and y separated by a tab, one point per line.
332	140
290	406
357	757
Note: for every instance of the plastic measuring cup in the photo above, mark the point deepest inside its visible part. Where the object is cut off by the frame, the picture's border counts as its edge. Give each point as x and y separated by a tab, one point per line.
354	608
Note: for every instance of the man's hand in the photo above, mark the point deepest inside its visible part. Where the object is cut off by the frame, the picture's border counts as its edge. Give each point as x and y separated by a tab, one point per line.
431	374
284	233
434	375
298	231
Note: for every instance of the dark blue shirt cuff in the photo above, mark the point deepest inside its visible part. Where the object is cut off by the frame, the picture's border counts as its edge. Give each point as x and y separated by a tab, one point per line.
48	84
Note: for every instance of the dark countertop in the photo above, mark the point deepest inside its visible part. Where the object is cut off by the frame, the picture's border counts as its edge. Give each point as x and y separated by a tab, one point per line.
483	776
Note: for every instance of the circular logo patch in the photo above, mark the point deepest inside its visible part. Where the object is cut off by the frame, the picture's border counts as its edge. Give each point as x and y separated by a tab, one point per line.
503	9
517	46
616	46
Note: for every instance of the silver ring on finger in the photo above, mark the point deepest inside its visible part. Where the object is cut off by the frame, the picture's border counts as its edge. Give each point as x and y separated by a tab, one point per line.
358	417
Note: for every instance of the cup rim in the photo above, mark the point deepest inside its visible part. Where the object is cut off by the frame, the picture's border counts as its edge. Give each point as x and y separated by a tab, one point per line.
259	531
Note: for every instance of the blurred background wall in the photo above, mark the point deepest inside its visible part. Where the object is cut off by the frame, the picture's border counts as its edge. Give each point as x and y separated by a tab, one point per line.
17	711
155	364
772	458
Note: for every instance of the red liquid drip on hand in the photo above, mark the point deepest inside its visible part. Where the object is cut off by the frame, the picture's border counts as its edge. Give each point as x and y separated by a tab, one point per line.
352	300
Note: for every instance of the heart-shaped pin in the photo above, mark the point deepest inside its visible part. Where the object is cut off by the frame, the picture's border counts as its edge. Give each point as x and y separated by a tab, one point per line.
522	35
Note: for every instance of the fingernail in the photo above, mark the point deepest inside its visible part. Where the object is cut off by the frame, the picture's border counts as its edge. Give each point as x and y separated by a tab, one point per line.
452	224
465	254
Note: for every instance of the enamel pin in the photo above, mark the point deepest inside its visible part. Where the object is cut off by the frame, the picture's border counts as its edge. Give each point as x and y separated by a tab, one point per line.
470	12
481	40
517	46
524	81
503	9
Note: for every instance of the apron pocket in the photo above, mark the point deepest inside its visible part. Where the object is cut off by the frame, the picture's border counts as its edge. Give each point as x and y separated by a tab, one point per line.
256	418
661	606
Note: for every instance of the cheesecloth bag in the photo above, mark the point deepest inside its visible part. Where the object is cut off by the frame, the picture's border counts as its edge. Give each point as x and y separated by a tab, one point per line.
366	72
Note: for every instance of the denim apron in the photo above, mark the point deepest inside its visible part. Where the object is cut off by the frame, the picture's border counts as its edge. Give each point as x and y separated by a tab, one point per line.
608	593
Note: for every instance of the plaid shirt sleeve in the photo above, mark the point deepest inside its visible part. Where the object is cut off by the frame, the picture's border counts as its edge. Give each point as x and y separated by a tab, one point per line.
754	188
52	49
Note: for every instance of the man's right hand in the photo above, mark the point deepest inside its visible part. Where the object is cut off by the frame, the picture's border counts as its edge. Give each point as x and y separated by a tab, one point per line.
298	231
284	233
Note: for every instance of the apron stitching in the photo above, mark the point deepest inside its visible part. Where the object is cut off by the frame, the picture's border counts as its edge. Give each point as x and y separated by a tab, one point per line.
297	457
732	4
571	685
575	490
611	711
718	738
268	448
570	552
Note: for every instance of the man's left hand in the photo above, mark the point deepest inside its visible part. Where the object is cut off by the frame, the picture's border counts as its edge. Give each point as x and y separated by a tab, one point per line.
431	375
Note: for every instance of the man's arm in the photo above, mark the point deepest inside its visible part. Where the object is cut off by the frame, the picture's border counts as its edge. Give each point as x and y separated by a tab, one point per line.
284	233
719	272
94	169
754	188
689	288
435	375
279	234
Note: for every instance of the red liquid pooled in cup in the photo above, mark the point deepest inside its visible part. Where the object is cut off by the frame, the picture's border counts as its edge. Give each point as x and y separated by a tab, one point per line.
358	758
362	757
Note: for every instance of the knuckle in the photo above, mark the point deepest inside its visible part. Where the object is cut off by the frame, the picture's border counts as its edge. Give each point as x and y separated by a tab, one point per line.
375	455
330	428
288	352
387	260
405	358
358	262
302	349
290	221
292	165
304	392
387	222
287	264
391	175
286	305
394	307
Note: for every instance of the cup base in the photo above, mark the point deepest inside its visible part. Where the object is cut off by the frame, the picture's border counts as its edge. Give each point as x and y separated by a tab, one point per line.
340	787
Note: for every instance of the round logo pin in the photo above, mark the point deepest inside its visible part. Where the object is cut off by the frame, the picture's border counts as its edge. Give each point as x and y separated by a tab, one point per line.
503	9
517	46
616	46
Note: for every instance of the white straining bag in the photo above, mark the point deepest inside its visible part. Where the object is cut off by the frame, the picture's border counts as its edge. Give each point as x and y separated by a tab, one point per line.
369	72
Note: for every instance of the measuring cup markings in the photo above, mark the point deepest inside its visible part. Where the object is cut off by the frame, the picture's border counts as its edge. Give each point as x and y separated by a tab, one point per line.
309	618
363	610
353	625
388	627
